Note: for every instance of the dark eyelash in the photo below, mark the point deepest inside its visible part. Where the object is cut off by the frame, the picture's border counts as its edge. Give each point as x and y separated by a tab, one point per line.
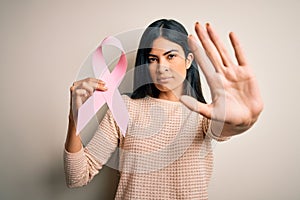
151	59
172	55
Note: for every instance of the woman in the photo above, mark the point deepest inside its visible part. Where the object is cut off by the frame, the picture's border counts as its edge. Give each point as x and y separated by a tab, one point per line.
167	152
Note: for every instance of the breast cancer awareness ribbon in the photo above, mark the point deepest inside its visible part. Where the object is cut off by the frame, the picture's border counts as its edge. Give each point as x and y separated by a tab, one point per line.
112	96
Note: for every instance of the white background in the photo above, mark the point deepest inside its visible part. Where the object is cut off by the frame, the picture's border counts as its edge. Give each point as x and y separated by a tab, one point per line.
44	43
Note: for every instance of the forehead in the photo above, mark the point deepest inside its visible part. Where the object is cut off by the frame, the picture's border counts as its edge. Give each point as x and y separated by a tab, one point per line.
164	45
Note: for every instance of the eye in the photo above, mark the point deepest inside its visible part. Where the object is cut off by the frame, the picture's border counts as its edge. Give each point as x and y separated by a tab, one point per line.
152	59
171	56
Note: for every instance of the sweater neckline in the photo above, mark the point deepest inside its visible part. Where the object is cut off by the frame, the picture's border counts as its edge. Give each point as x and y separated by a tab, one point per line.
164	101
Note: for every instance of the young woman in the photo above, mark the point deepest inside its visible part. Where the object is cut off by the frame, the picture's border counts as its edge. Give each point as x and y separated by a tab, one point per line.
167	153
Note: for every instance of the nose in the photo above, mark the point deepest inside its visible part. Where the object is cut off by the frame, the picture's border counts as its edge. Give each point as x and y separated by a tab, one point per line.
162	66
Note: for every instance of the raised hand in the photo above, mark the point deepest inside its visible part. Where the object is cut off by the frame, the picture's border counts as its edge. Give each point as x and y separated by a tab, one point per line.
81	90
236	99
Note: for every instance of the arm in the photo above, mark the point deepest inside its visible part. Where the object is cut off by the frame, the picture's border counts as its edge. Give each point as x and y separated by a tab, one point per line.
73	142
82	164
79	93
236	101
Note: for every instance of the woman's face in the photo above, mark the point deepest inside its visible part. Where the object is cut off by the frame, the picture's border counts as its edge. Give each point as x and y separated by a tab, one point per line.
168	66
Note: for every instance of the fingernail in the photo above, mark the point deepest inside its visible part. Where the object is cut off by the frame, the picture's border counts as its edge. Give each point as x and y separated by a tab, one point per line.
100	81
207	24
191	38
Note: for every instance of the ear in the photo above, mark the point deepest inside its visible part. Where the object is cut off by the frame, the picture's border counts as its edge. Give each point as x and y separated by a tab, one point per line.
188	61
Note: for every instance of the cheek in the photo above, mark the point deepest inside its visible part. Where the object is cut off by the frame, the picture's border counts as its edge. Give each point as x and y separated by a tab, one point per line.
179	71
152	72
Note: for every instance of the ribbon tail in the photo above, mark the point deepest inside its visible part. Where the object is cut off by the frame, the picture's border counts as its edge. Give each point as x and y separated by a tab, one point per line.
119	111
87	111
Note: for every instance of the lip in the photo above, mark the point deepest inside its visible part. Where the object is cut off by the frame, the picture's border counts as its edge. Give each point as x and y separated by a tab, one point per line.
164	79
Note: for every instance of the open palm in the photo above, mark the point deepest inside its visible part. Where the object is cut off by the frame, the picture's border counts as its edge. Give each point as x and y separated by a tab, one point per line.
235	94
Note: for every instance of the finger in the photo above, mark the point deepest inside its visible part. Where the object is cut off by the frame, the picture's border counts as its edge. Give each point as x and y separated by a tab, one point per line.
100	82
225	56
72	88
79	96
89	80
194	105
90	84
81	92
209	47
239	53
101	86
86	86
201	59
93	85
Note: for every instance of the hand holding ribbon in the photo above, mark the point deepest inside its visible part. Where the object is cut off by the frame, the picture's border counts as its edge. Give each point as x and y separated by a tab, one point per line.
111	96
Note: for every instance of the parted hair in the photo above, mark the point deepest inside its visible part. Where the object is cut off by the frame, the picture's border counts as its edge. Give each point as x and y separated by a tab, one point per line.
175	32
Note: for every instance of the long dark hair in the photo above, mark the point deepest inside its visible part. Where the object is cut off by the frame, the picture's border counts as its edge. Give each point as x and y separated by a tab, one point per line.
174	32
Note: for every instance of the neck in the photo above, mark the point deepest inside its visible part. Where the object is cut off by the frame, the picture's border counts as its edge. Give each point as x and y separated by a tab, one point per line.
168	97
172	95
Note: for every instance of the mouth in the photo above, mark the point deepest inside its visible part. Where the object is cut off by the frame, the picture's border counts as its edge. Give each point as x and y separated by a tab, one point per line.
163	80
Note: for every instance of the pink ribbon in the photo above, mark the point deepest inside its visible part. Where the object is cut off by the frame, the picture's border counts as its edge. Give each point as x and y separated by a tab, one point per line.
112	96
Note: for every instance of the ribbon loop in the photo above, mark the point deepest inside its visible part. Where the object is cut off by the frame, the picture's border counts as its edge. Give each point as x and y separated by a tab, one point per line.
112	96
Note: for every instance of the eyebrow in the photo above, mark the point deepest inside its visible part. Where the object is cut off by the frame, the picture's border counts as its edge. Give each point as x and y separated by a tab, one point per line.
164	53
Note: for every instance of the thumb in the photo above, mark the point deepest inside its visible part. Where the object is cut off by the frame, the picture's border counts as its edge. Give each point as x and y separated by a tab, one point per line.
194	105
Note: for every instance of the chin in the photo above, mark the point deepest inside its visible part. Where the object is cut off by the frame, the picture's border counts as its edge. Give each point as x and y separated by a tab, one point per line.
162	88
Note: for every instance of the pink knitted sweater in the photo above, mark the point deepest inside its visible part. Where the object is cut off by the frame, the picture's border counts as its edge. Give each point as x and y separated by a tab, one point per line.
166	153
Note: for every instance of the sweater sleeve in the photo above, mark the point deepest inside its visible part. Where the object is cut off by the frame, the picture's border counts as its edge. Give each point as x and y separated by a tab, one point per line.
206	127
82	166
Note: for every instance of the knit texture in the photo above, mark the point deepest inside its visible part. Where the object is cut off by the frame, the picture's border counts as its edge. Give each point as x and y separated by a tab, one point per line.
166	153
